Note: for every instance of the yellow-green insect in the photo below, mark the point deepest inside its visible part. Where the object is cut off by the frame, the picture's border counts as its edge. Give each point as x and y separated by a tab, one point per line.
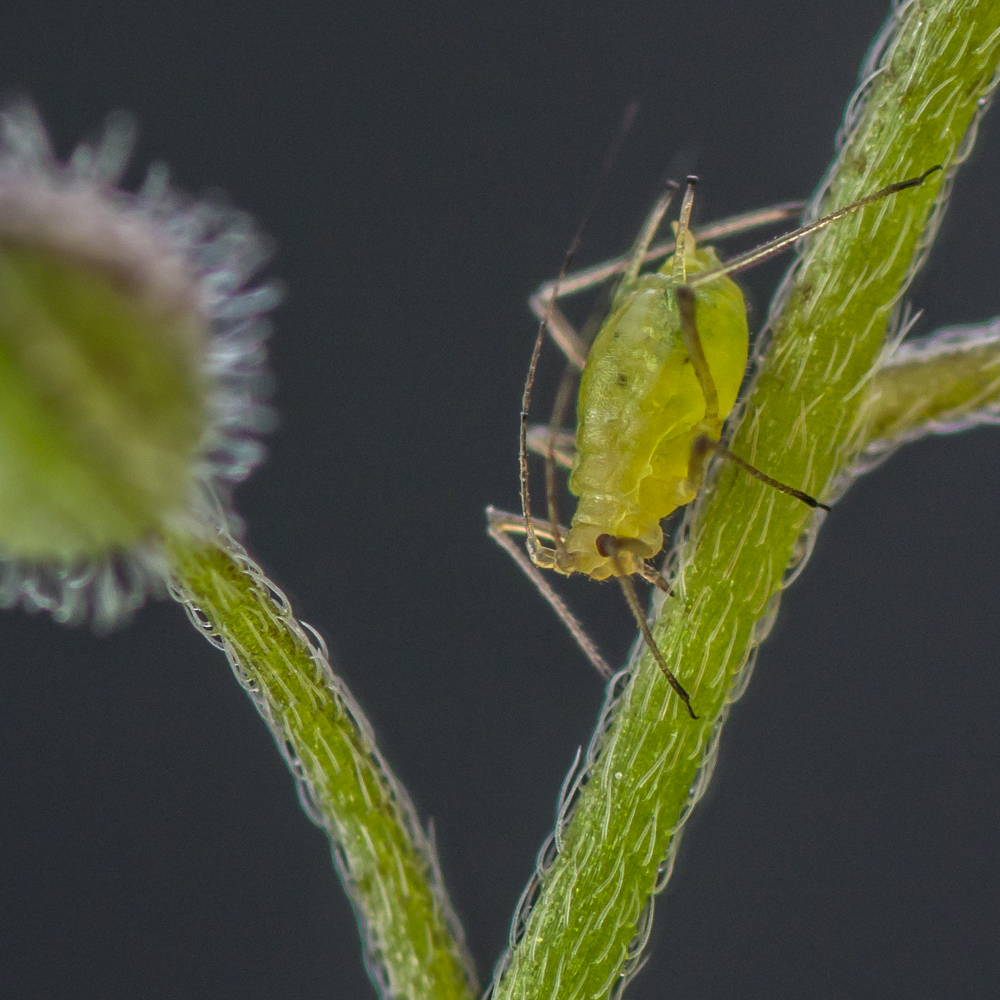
659	381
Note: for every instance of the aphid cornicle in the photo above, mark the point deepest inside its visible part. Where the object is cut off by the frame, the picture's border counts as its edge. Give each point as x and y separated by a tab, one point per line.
659	381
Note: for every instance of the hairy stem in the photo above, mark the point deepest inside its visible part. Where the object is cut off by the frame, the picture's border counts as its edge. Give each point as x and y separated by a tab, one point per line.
583	923
413	944
939	384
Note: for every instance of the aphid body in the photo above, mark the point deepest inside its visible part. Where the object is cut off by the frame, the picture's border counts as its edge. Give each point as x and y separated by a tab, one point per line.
641	409
657	385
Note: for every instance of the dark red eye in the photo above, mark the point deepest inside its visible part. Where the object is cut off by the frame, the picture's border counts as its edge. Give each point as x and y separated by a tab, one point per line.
605	545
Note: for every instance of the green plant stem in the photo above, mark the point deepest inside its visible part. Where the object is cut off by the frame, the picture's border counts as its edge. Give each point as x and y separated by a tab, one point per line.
804	423
945	382
413	944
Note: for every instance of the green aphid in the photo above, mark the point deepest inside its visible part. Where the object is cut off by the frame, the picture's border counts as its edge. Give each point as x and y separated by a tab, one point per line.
658	383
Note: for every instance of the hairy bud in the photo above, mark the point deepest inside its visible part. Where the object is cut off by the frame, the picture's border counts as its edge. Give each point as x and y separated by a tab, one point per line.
130	370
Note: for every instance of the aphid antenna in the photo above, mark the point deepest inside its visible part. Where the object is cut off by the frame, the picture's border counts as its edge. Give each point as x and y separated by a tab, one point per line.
777	245
628	118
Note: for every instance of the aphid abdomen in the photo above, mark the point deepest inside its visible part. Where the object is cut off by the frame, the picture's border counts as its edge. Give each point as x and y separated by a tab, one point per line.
639	411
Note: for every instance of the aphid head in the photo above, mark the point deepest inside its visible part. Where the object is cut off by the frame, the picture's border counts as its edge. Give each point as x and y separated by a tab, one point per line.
593	551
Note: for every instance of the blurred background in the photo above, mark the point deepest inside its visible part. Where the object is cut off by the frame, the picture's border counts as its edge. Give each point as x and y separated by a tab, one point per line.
422	167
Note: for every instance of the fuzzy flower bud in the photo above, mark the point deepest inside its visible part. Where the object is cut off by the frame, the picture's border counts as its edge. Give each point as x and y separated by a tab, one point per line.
131	370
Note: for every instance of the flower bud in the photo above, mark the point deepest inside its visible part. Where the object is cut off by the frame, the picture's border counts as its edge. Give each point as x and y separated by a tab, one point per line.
131	370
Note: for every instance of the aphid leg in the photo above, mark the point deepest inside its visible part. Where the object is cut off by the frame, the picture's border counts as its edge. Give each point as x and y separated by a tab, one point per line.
692	341
652	575
686	308
552	442
633	602
636	256
559	327
501	526
544	302
683	233
775	246
562	444
564	396
597	274
704	444
572	344
534	550
575	345
609	547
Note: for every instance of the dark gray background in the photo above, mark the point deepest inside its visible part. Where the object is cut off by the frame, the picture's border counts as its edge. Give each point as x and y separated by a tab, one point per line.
422	167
